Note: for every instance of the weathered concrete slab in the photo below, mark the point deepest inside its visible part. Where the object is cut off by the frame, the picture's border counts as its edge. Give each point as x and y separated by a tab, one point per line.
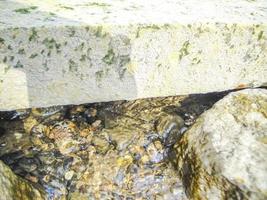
77	51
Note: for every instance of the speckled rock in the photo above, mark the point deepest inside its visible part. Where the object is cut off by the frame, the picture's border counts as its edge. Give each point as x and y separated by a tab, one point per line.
14	187
224	154
82	51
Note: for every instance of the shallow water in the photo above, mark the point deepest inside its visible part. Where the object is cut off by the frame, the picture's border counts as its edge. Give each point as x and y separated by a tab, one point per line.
116	150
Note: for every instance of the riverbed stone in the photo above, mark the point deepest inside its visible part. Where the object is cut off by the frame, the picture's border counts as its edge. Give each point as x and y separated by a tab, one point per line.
74	52
14	187
224	154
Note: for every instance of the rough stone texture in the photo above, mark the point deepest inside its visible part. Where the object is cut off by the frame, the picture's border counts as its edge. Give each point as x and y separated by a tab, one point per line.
77	51
15	188
224	154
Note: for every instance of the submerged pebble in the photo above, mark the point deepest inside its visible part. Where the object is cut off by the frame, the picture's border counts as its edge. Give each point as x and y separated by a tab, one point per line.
69	174
169	128
98	151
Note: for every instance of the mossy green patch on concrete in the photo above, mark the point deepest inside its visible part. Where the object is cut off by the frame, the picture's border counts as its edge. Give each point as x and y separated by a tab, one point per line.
260	35
67	7
21	51
97	4
33	55
99	75
33	36
73	66
184	51
25	10
18	65
109	57
2	41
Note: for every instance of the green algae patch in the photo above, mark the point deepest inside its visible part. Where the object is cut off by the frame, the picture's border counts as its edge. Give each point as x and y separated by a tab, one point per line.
26	10
109	57
2	41
67	7
21	51
18	65
96	4
184	50
260	35
73	66
33	55
143	29
33	35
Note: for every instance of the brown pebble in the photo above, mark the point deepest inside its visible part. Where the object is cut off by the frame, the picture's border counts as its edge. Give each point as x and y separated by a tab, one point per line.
93	112
96	123
33	179
85	132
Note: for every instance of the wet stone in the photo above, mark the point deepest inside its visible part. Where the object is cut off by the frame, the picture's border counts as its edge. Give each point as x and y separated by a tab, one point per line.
15	115
169	128
101	144
47	112
223	156
28	164
14	187
69	175
116	150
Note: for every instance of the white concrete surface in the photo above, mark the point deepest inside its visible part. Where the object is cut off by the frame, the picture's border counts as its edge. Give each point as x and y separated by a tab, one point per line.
80	51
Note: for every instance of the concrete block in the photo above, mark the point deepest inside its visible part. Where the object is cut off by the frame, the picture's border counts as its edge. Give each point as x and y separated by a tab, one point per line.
80	51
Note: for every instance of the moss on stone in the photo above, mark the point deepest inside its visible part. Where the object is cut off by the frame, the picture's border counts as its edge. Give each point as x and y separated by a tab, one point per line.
21	51
184	50
83	58
148	27
99	75
97	4
33	35
18	65
51	44
2	41
73	66
109	57
67	7
4	59
25	10
260	35
9	47
99	32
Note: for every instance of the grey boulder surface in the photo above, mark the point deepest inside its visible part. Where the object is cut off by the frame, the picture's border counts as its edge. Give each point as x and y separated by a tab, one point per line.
224	154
